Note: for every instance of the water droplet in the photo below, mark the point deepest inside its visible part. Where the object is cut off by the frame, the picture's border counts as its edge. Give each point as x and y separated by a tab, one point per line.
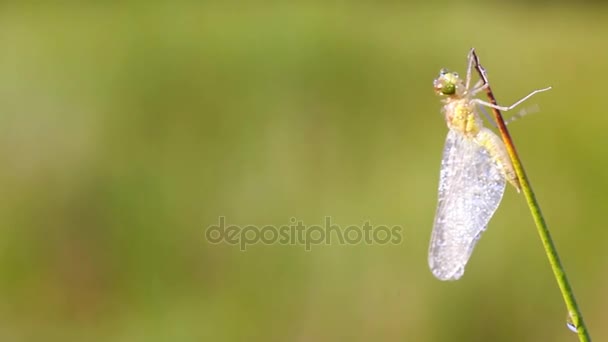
570	324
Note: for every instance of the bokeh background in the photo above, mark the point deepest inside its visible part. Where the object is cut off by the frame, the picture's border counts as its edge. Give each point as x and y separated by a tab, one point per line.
128	128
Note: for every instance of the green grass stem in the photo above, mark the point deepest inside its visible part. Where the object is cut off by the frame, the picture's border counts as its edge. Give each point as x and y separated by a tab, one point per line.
541	225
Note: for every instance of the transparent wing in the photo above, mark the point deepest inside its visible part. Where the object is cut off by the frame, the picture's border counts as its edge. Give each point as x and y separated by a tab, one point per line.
471	186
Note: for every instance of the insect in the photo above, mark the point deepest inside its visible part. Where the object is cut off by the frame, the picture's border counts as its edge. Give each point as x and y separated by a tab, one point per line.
474	170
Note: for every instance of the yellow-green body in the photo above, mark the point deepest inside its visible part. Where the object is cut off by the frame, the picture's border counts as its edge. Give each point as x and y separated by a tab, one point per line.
461	115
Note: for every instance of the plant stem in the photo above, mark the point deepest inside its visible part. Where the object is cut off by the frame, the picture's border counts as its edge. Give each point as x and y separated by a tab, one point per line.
541	225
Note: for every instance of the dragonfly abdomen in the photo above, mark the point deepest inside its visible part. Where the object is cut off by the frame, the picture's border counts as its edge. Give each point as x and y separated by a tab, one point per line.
498	151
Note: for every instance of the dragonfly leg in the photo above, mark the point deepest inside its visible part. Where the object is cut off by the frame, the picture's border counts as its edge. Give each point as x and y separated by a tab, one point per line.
504	109
471	59
479	86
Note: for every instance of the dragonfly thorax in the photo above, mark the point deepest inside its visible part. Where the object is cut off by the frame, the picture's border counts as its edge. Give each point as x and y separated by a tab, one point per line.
461	115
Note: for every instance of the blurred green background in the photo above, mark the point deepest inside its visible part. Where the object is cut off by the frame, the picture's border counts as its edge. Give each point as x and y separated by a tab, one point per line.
128	128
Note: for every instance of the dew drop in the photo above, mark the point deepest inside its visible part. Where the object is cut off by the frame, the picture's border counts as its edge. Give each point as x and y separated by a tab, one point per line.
570	324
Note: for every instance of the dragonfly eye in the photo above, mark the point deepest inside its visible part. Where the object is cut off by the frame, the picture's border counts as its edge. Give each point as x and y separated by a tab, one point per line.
448	89
443	72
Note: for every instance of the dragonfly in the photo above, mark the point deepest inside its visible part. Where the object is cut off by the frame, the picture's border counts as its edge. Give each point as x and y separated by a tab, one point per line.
475	168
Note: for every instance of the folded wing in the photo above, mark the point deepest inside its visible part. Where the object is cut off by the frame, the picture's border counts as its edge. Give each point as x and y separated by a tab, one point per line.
471	186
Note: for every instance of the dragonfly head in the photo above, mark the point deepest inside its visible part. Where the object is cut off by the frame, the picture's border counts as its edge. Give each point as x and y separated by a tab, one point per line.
448	83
